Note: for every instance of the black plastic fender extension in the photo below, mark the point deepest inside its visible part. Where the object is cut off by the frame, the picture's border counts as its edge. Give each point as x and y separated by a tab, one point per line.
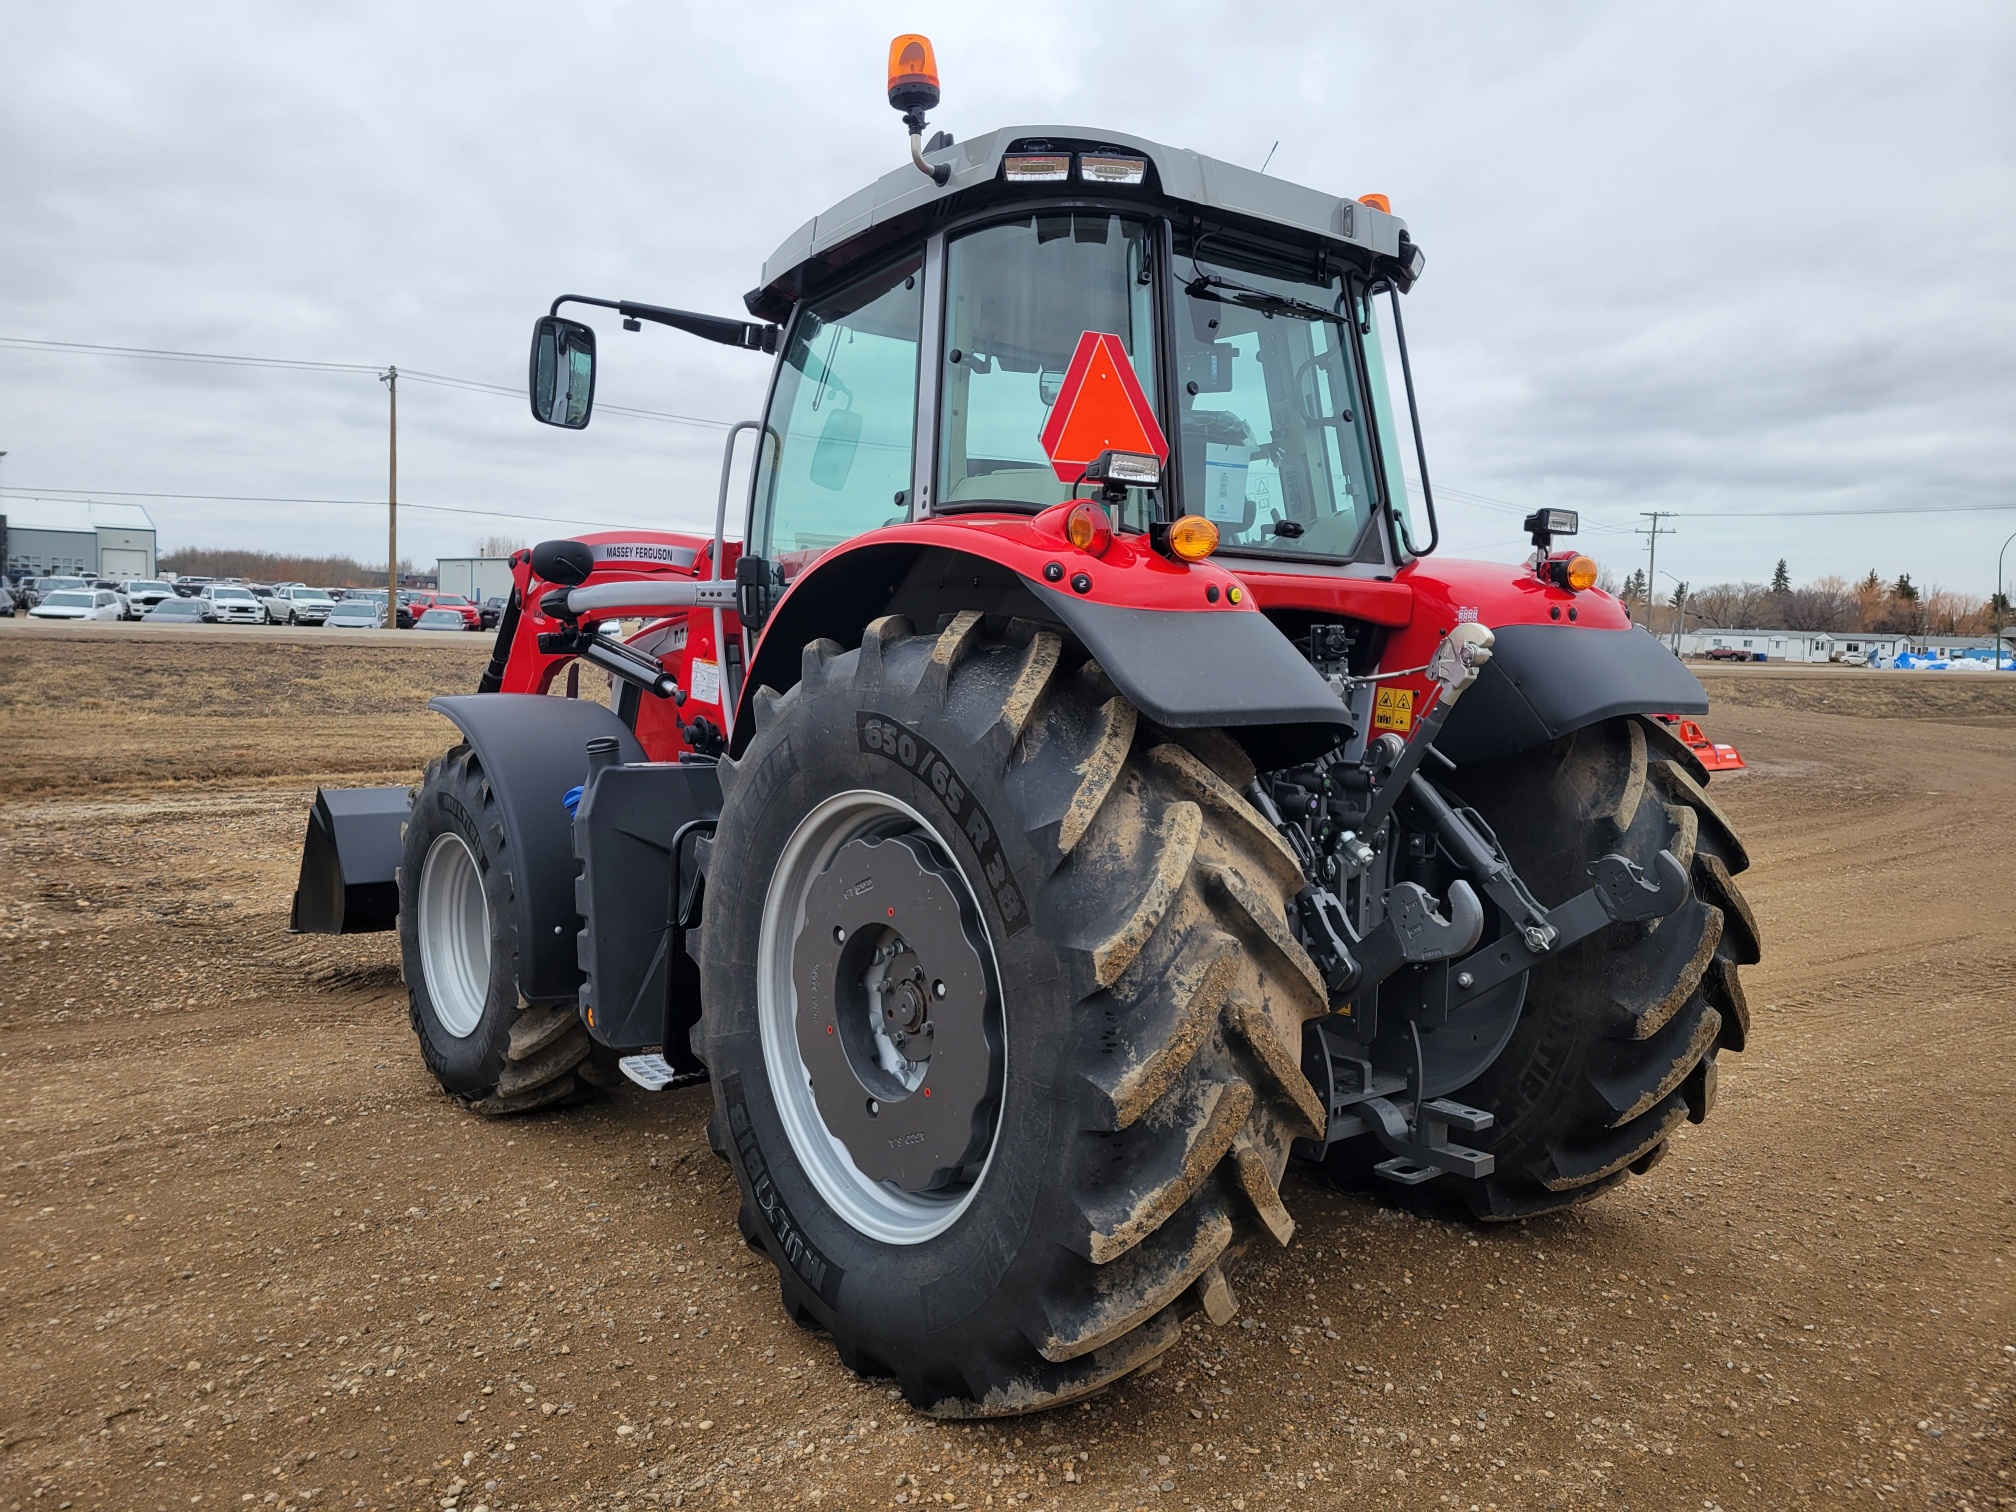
1544	681
533	749
636	833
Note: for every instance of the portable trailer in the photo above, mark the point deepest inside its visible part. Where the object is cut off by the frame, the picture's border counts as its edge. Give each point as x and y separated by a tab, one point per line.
1080	792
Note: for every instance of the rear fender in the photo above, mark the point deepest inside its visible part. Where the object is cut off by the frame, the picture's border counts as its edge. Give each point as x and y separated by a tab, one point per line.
533	749
1184	667
1561	660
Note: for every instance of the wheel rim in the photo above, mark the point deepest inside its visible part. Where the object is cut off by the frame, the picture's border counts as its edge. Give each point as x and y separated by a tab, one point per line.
967	1069
454	929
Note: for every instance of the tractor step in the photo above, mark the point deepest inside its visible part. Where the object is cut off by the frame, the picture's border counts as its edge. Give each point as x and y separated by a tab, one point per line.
654	1073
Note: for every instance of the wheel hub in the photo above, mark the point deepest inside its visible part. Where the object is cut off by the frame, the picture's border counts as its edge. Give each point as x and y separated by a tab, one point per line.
892	1017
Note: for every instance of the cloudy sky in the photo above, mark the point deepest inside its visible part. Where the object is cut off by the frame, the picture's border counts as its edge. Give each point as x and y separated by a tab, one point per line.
1754	263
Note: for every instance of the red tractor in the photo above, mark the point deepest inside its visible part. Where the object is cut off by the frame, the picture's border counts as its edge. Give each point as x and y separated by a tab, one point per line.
1078	794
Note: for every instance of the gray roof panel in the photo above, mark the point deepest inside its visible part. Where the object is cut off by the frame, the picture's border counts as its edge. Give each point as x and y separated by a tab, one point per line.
1188	176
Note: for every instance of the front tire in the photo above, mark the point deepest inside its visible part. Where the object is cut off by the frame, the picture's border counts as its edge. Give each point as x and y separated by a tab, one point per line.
1124	910
487	1047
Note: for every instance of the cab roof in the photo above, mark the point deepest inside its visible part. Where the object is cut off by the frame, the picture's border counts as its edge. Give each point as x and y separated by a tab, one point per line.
903	200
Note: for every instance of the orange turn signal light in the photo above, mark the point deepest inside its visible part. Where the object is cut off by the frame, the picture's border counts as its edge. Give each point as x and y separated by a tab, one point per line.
1089	528
1377	202
913	73
1575	573
1192	538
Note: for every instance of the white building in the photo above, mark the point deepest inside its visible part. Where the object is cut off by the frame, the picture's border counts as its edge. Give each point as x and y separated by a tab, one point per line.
475	578
1796	645
45	536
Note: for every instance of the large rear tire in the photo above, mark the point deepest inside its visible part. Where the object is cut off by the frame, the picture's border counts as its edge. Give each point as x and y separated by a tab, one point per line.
485	1044
1617	1043
1130	985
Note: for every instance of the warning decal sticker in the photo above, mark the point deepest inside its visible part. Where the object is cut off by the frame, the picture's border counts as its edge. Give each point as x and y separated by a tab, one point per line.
1394	709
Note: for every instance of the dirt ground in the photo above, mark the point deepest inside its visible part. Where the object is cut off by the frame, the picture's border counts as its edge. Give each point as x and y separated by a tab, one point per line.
251	1256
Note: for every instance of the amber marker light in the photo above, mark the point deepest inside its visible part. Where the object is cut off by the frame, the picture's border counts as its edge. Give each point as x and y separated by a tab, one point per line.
1576	573
1089	528
1377	202
1192	538
913	73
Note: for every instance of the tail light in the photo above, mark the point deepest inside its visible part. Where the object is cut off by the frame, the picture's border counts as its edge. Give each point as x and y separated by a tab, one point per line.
1089	528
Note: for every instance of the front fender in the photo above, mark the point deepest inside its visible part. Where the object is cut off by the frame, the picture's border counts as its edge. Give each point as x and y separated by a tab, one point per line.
533	749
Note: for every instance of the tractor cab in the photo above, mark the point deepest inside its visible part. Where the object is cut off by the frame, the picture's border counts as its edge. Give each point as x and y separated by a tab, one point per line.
967	340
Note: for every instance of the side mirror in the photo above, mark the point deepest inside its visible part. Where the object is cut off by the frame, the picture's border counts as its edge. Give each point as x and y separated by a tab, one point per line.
567	563
833	457
563	372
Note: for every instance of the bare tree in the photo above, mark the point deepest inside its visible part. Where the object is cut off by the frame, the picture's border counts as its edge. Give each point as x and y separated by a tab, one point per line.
1732	606
498	546
1827	603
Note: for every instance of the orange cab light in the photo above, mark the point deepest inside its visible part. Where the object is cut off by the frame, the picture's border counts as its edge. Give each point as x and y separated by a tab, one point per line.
913	73
1192	538
1579	574
1377	202
1089	528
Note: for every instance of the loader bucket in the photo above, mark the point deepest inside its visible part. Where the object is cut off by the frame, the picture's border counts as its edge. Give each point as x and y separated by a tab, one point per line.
349	862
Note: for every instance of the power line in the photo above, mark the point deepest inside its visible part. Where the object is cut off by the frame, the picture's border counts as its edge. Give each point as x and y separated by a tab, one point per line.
225	359
72	495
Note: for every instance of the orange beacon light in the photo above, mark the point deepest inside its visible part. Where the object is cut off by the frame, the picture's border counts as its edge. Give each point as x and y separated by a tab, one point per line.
913	73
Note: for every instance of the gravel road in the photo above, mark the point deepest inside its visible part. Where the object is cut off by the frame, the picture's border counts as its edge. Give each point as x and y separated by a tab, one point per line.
251	1256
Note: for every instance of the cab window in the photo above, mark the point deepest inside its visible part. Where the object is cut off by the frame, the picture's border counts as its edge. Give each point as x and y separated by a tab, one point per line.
1019	297
836	452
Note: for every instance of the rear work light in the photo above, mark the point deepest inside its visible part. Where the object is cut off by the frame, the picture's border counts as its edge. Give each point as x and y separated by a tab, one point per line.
1037	168
1100	168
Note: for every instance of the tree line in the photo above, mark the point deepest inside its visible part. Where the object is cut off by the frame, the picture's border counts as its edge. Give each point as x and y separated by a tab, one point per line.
1871	605
281	567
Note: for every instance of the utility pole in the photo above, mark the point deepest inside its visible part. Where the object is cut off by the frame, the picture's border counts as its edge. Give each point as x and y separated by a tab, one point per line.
1998	597
1652	535
390	378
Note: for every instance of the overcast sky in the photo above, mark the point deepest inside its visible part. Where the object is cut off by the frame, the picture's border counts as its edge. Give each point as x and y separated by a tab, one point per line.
1748	262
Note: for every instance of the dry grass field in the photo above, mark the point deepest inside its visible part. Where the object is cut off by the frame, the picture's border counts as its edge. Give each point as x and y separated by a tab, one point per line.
251	1256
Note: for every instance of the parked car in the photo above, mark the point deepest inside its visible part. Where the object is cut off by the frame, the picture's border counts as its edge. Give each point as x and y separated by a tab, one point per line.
142	594
41	587
191	587
180	611
232	604
298	605
492	611
357	613
432	598
79	604
1730	653
444	618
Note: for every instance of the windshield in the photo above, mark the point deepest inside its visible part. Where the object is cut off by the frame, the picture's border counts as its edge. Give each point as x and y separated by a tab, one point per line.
62	582
70	601
1020	297
230	593
174	606
148	588
1277	451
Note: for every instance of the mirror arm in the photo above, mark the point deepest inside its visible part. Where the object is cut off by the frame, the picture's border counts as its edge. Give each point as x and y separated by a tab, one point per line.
747	335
